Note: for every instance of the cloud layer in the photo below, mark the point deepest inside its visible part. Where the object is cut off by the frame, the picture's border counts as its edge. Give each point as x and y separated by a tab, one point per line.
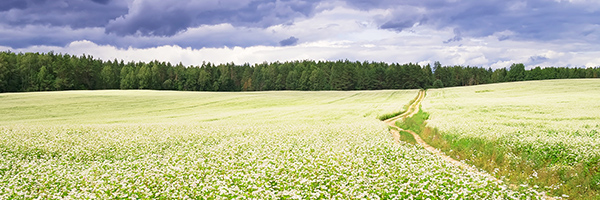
455	31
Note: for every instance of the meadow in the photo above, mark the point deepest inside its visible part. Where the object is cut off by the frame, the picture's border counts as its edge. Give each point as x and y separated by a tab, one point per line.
187	145
541	133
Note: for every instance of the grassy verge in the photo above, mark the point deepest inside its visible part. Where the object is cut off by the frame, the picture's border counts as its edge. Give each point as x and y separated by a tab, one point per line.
394	114
390	115
550	170
414	123
405	136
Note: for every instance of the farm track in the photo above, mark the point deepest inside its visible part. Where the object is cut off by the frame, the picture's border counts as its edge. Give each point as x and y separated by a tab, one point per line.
414	109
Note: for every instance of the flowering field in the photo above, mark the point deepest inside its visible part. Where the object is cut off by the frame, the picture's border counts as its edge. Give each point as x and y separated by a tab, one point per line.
156	144
549	127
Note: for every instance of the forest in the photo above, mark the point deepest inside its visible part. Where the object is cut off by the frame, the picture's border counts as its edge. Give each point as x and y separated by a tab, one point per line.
24	72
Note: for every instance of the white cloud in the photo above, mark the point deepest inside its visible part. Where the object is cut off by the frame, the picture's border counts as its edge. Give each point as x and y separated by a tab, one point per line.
335	32
495	55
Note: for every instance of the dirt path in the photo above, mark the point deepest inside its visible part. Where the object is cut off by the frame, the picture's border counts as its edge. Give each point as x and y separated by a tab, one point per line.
414	109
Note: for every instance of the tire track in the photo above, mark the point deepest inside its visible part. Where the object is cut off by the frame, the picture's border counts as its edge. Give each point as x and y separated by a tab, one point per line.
414	109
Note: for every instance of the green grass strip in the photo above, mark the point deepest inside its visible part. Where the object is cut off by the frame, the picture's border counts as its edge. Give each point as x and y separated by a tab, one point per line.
544	170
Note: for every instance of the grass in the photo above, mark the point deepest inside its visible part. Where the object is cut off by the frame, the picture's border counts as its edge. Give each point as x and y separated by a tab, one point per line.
394	114
405	136
178	145
390	115
541	133
414	123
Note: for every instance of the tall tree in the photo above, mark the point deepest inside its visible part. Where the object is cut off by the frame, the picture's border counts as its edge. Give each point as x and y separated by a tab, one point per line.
516	72
35	71
144	77
107	77
291	81
45	79
318	80
428	77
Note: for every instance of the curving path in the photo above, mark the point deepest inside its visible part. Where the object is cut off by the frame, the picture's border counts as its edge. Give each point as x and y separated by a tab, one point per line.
414	109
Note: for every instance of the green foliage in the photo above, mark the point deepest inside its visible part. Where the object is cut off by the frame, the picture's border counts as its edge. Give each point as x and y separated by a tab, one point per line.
516	72
595	181
438	84
407	137
390	115
483	91
21	72
415	123
386	116
45	79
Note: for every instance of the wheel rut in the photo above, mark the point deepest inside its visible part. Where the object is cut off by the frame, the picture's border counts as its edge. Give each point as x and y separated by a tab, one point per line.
414	109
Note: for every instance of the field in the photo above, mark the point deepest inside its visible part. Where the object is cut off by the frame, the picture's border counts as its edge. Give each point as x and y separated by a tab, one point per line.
160	144
542	133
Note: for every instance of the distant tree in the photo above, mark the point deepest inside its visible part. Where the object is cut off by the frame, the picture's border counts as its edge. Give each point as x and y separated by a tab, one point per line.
341	77
179	77
304	82
318	80
246	79
204	81
444	74
226	82
257	78
10	78
4	72
45	79
393	77
534	74
157	75
413	76
499	75
589	72
216	86
106	77
379	76
279	82
363	76
438	83
428	77
168	84
191	79
516	72
291	80
35	71
129	77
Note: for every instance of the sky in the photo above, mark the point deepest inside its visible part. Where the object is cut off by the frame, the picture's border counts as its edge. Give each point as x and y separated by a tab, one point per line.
484	33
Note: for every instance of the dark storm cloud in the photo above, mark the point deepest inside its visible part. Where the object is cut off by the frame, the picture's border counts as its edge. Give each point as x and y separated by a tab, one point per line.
59	36
384	4
457	37
12	4
397	25
69	13
146	23
166	18
537	59
503	37
289	42
104	2
529	20
21	37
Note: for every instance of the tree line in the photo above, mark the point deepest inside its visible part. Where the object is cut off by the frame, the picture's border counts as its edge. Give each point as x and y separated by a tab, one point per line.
22	72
